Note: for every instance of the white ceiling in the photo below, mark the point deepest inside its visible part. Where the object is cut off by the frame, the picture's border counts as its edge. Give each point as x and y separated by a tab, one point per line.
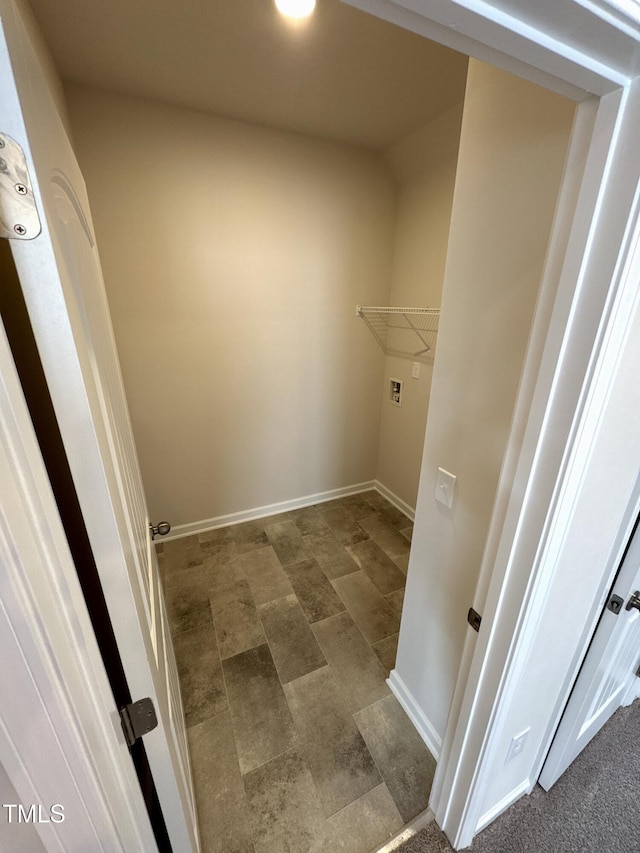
343	75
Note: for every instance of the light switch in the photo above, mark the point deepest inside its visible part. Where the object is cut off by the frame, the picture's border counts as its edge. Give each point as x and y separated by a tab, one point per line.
415	370
445	486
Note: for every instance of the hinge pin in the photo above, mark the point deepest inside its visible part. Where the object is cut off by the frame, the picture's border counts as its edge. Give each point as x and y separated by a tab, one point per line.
138	719
474	619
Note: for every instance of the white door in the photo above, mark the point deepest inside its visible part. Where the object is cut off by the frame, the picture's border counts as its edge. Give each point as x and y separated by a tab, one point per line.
61	279
608	678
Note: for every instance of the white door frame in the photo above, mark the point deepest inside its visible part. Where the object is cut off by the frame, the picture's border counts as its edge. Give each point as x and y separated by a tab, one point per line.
571	437
61	741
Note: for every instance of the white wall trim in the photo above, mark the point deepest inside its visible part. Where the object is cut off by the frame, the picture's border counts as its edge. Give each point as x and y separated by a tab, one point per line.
194	527
269	509
513	796
423	725
403	506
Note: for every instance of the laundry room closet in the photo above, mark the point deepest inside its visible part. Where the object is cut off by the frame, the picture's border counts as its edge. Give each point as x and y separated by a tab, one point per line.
242	252
235	255
234	258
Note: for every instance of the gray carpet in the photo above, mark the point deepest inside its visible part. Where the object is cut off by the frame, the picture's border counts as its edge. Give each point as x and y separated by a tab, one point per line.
593	808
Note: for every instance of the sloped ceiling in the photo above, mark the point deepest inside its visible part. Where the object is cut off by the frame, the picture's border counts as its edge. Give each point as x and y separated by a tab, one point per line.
342	75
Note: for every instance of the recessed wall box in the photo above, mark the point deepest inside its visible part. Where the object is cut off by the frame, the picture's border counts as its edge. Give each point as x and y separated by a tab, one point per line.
395	391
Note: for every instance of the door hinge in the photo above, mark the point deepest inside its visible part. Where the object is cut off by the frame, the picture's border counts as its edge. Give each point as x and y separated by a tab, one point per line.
615	604
138	719
19	218
474	619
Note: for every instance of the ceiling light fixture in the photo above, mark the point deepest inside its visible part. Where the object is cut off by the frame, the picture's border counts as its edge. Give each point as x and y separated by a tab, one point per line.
296	8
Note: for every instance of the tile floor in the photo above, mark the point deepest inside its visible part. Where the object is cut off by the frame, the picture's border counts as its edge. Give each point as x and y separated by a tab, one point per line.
285	630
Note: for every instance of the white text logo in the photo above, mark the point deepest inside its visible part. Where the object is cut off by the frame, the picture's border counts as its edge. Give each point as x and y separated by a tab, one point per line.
17	813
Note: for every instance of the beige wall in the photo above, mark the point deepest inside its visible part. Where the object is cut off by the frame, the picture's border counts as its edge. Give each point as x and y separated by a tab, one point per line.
424	165
513	144
234	257
49	70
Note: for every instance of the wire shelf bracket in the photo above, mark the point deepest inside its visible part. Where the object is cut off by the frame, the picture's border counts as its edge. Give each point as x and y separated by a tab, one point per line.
403	332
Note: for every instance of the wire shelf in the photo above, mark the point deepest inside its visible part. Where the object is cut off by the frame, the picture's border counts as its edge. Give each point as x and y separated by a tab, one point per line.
404	332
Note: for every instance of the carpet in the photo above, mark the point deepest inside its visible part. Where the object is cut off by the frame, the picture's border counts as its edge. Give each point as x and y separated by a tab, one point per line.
593	808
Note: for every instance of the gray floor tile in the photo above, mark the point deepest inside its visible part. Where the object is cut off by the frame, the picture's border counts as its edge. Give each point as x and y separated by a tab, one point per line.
379	568
396	600
249	535
183	552
345	528
259	713
222	572
404	761
283	804
236	619
223	814
332	557
187	598
294	648
219	552
287	542
264	573
200	671
358	505
366	824
218	533
387	537
388	511
308	520
340	763
317	597
371	612
402	563
357	670
328	668
387	650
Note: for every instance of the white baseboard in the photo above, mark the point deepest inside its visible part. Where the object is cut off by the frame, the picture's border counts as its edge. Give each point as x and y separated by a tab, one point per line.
424	727
404	507
271	509
489	816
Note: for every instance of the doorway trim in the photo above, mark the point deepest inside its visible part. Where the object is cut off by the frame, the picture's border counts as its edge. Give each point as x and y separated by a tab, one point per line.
567	440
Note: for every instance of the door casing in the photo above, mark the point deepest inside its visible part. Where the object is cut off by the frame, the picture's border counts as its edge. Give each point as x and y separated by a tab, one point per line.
569	438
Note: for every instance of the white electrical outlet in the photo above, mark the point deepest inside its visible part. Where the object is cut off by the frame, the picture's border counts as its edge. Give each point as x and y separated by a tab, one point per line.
415	370
517	744
445	486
